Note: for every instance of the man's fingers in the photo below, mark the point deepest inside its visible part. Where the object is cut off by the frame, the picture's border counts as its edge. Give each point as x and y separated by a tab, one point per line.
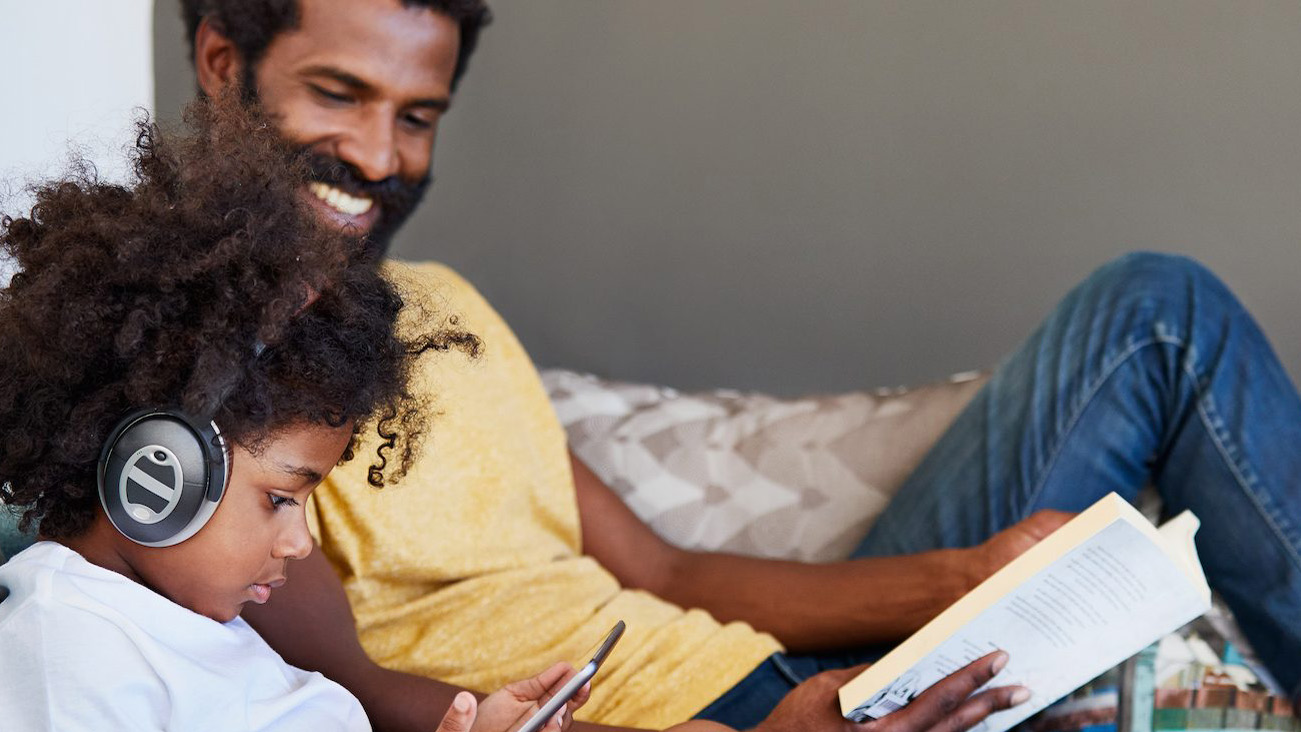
1045	521
974	710
460	716
949	693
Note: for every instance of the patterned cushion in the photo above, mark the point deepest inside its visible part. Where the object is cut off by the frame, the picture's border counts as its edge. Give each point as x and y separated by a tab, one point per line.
752	474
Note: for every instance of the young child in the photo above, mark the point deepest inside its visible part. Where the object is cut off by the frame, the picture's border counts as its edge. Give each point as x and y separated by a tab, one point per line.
183	361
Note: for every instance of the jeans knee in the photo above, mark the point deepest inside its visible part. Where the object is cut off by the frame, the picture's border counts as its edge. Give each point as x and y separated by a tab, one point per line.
1170	283
1154	270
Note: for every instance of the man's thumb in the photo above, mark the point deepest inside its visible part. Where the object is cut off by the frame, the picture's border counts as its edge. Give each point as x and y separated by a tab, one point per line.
460	716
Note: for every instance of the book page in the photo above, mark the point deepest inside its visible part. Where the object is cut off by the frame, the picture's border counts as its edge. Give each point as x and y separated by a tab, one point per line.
1087	611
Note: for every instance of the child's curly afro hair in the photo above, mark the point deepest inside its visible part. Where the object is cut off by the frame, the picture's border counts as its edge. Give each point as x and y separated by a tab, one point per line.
204	284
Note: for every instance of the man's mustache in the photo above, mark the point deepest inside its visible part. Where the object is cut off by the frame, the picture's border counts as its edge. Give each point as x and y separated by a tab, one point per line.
396	197
346	177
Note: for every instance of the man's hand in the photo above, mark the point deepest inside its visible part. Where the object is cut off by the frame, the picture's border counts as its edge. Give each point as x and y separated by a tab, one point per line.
948	706
1013	541
508	709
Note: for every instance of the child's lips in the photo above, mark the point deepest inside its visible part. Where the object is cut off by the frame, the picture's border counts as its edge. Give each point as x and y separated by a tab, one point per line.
261	591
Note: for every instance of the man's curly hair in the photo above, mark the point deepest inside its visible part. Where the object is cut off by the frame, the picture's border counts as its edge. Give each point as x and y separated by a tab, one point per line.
205	284
252	24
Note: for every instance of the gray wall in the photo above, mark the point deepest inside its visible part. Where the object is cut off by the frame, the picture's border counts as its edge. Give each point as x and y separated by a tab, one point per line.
839	193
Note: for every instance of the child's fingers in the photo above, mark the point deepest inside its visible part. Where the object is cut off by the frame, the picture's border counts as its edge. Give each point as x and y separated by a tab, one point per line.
553	676
559	721
540	688
579	698
460	716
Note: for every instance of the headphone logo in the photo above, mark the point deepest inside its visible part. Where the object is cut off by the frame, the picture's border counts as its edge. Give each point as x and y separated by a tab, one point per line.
150	486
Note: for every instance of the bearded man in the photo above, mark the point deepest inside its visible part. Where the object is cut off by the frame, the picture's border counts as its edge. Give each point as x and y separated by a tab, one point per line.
505	551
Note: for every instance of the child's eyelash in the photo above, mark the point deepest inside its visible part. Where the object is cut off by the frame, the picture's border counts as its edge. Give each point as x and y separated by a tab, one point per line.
278	501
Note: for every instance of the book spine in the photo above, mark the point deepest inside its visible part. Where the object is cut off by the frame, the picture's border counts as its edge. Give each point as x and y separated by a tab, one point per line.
1138	692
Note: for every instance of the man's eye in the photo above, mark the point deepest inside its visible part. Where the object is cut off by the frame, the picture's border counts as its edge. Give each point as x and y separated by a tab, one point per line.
418	122
329	95
278	501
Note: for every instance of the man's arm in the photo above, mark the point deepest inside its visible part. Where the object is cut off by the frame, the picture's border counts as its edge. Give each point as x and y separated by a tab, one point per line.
805	606
310	624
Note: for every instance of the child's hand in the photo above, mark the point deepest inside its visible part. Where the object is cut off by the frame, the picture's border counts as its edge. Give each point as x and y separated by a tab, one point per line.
506	710
460	716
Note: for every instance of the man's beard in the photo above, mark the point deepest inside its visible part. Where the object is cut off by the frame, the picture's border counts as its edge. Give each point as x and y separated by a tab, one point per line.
397	198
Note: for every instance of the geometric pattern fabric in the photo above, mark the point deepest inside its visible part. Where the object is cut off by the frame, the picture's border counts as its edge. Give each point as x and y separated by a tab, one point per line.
749	473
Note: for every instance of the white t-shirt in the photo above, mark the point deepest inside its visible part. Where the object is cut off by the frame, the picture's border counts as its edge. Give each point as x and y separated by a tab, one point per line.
84	648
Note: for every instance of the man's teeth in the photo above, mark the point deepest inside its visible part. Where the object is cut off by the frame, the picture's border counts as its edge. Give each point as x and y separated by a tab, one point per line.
340	201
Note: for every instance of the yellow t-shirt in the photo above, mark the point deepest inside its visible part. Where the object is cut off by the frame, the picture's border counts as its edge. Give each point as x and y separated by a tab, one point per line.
470	570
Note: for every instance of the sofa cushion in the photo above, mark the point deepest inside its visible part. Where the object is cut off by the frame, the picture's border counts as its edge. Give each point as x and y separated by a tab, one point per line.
748	473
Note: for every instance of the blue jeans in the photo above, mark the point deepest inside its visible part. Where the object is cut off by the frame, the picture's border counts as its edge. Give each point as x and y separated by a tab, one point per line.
1150	371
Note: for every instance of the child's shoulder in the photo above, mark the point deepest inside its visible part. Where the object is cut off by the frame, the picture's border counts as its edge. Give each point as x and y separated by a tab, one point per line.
55	599
63	652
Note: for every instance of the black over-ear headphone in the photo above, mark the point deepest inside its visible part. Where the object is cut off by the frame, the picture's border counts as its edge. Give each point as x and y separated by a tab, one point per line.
161	475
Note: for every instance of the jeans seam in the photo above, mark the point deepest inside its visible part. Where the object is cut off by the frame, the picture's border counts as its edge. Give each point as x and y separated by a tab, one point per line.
784	668
1206	411
1242	474
1107	372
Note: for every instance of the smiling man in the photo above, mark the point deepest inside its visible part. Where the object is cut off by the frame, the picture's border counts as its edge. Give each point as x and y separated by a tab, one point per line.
505	552
361	90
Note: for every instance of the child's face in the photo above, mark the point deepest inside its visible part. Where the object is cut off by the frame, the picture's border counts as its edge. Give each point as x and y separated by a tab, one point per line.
241	554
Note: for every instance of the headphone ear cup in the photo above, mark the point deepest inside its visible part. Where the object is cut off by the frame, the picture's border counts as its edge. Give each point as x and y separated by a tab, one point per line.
161	476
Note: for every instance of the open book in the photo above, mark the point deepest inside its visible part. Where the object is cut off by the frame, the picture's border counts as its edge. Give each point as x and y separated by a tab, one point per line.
1093	593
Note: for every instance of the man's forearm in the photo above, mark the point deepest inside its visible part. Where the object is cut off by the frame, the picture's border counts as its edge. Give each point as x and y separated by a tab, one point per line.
807	606
823	606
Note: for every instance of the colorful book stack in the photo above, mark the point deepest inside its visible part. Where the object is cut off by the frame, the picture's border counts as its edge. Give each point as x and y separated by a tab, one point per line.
1229	709
1193	679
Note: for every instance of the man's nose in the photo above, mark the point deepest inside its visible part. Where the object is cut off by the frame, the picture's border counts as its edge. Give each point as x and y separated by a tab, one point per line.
371	147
